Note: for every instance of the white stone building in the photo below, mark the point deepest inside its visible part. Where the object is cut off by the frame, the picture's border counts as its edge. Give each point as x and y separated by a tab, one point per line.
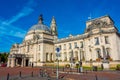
99	44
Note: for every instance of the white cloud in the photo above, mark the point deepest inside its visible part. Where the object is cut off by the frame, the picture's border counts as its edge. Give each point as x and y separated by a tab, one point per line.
28	9
6	27
25	11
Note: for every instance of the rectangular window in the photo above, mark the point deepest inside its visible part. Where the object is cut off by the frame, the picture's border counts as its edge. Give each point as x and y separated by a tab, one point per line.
70	46
99	53
60	47
39	47
108	53
81	44
96	41
106	40
64	46
75	45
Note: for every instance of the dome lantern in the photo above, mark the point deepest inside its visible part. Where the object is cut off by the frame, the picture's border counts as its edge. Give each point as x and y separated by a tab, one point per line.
40	20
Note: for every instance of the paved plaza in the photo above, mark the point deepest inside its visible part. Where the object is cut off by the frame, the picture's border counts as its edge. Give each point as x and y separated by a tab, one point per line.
28	73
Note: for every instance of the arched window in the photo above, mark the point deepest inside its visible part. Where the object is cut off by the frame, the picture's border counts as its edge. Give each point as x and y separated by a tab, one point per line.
107	53
98	51
38	57
70	46
83	55
81	44
65	56
76	55
106	40
64	46
96	41
75	44
51	55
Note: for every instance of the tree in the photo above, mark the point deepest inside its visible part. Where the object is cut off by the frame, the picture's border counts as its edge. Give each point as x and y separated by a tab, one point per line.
4	57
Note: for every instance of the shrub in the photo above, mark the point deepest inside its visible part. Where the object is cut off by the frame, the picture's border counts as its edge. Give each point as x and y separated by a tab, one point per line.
77	66
67	65
118	67
110	59
98	59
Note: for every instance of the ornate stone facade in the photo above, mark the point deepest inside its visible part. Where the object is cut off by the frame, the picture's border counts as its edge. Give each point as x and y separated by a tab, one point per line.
98	44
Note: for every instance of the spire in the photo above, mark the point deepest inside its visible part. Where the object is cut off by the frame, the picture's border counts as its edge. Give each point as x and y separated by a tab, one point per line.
40	20
53	20
53	27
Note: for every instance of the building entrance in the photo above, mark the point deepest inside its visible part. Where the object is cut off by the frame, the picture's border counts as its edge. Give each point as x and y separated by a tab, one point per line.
27	62
19	61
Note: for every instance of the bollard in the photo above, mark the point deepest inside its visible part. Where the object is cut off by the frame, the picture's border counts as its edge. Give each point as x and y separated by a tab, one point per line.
96	78
8	76
42	73
20	74
32	74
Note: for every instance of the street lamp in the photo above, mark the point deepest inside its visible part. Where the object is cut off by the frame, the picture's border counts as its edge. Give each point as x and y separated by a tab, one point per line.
71	58
58	55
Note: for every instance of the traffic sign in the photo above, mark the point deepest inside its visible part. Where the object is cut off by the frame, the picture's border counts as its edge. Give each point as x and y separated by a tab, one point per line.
58	52
58	49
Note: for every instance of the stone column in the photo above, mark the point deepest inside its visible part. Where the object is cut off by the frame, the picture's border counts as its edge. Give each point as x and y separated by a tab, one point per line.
16	62
62	56
48	57
24	62
12	62
8	62
68	56
52	57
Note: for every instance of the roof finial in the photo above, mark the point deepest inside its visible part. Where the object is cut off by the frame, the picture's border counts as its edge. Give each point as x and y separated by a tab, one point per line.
53	20
41	19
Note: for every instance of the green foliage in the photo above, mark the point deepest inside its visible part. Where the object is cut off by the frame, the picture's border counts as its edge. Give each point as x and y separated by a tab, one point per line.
112	68
67	65
3	57
118	67
87	68
77	66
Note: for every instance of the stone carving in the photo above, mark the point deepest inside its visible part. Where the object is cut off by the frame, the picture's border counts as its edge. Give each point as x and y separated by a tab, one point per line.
97	24
36	37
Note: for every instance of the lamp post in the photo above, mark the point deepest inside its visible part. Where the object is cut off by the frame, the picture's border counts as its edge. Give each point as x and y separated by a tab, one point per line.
58	55
81	69
71	58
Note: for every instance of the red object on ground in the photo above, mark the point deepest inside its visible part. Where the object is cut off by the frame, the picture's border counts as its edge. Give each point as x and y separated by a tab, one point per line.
3	65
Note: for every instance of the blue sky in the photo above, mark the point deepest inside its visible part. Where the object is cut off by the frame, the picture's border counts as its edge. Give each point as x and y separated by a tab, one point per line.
17	16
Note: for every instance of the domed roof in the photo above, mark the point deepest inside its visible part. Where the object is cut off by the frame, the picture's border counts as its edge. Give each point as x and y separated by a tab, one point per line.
39	27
